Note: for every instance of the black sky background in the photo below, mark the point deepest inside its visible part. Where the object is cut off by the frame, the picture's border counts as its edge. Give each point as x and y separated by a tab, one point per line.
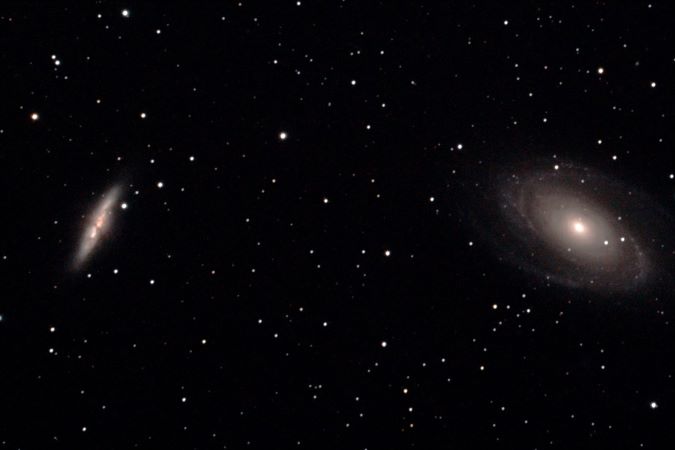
242	233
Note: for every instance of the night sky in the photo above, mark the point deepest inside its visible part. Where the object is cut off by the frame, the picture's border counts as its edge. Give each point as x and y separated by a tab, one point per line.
332	225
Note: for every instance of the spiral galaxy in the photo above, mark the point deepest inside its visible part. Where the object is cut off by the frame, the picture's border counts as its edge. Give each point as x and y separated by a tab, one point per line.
576	227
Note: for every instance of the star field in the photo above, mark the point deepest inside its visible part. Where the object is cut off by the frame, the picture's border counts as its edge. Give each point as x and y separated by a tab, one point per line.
337	225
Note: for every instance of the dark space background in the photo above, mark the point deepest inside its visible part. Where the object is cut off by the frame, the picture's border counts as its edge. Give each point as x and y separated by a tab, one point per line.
330	289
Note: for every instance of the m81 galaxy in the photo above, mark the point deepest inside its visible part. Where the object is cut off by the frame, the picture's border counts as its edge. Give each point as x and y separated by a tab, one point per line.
337	225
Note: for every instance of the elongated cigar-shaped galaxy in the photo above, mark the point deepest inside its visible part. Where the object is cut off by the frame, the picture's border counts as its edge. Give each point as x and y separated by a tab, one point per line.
97	226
